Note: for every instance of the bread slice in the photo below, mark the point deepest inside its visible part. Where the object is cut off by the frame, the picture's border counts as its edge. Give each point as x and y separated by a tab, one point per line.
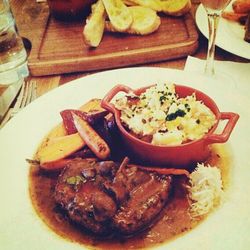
145	21
94	28
119	14
175	7
152	4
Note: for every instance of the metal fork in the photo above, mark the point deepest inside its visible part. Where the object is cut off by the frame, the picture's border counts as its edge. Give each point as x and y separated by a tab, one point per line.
26	95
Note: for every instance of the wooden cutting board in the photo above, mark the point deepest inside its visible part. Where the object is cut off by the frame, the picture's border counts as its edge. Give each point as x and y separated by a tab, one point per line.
58	47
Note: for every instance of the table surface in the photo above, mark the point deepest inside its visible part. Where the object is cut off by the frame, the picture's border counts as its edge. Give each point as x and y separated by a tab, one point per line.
22	8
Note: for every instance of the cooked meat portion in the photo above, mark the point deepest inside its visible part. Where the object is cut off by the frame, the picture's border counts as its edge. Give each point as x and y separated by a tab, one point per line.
105	197
145	203
79	191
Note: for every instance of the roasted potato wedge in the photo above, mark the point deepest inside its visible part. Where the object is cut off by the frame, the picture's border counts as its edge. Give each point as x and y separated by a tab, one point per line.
60	148
58	144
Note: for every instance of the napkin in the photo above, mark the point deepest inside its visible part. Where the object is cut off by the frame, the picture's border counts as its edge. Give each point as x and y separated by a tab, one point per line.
236	73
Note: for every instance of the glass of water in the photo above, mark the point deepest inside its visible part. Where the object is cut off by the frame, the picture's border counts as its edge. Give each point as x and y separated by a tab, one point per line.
13	56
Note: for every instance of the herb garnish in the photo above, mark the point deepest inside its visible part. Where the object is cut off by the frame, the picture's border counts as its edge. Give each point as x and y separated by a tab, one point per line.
173	116
187	107
162	99
75	180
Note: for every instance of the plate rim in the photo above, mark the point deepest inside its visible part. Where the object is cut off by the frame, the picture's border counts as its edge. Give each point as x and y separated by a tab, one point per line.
219	42
45	233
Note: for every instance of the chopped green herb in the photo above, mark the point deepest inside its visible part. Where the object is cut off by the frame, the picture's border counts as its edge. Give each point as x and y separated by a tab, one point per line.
161	92
162	99
134	108
187	107
163	130
174	115
75	180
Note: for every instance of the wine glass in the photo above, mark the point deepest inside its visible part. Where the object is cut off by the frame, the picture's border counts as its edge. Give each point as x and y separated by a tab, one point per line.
213	9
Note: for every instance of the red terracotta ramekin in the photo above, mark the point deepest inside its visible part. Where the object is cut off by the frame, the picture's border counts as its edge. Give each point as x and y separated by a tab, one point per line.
180	156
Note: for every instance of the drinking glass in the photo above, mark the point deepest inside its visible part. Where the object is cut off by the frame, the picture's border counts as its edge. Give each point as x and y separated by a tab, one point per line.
213	9
13	56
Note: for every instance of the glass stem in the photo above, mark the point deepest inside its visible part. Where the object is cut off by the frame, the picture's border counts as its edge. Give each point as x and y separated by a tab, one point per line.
213	21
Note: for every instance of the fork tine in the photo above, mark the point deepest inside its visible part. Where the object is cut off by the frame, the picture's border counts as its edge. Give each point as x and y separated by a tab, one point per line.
19	98
12	111
26	95
34	88
29	93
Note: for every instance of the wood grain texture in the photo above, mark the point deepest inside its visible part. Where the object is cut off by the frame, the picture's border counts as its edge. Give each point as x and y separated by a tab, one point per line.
29	14
58	47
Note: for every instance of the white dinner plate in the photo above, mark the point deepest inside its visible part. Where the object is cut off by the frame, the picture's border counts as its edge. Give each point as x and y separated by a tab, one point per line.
230	35
228	228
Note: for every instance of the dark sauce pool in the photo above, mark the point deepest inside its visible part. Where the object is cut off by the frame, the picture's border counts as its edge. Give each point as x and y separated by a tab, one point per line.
173	222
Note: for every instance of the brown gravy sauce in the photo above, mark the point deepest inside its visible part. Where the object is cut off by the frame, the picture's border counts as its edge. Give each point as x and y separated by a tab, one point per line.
174	221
